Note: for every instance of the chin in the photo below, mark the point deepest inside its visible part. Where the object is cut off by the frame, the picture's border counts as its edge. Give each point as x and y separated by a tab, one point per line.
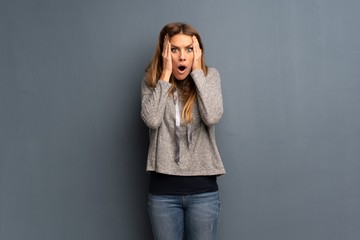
181	77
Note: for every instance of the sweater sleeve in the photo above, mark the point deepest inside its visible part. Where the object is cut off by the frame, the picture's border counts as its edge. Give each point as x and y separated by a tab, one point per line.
153	102
209	95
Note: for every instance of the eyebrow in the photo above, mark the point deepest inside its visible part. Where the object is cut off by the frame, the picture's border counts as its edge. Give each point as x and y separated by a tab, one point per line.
173	46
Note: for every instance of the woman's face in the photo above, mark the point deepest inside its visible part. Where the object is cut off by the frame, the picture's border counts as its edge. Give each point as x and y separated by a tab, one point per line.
182	55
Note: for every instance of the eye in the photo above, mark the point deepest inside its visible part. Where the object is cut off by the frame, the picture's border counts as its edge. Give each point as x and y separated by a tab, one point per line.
174	50
190	49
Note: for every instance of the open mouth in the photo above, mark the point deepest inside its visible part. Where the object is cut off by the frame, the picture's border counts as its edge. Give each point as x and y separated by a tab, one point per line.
181	68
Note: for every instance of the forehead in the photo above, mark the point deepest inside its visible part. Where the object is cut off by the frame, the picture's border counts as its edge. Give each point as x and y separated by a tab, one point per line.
181	40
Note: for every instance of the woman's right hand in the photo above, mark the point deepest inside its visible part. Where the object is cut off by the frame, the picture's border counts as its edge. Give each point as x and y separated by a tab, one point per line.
167	62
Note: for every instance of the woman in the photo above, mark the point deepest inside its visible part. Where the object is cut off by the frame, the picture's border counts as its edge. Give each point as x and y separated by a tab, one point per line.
181	103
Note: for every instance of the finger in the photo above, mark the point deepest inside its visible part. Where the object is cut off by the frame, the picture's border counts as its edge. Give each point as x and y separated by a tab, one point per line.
165	44
196	45
168	52
195	42
168	47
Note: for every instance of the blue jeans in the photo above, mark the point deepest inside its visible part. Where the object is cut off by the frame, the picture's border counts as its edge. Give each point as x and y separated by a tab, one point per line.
197	215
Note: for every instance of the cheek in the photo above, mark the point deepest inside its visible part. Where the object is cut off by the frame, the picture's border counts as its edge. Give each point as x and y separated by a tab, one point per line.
191	56
174	62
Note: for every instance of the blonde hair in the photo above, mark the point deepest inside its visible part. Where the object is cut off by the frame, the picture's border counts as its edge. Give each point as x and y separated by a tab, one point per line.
155	67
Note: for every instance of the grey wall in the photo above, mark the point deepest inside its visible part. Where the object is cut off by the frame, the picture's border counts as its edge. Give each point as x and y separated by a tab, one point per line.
73	146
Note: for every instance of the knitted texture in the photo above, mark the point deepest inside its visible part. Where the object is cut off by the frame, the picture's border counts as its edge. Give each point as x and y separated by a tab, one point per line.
202	157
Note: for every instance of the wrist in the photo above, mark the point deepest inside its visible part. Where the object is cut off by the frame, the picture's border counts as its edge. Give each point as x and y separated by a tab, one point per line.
197	69
165	75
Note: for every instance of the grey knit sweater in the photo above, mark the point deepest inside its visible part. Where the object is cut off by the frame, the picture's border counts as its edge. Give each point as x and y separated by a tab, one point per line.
158	112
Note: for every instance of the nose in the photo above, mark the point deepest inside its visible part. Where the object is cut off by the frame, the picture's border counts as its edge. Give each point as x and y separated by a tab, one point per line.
182	56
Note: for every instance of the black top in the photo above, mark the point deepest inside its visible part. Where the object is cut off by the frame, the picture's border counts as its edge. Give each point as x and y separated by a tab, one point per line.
162	184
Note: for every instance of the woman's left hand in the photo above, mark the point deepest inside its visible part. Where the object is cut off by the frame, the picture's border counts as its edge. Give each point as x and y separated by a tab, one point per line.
197	54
